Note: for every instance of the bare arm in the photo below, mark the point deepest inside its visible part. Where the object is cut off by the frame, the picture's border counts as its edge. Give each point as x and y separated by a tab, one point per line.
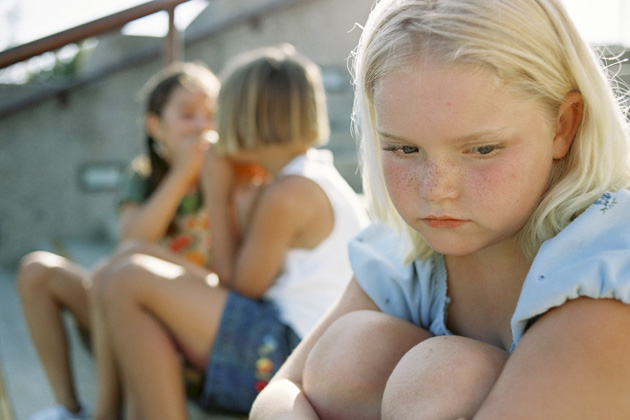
572	364
283	398
250	263
150	220
284	218
218	183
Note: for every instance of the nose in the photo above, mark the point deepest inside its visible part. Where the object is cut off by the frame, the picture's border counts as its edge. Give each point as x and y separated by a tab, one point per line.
439	180
203	123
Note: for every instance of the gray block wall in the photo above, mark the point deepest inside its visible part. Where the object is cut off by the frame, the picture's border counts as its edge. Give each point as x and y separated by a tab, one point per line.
45	149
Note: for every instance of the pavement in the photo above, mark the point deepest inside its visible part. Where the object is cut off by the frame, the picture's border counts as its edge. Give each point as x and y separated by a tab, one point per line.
24	388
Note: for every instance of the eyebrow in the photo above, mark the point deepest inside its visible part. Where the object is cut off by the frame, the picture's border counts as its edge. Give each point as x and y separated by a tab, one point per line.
390	136
462	139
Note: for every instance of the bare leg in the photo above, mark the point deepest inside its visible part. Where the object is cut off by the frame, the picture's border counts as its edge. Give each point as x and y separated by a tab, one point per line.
132	410
441	378
347	370
109	402
48	284
110	388
154	309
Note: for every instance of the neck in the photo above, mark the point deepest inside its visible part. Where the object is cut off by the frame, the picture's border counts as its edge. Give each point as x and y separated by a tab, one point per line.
503	261
280	156
484	290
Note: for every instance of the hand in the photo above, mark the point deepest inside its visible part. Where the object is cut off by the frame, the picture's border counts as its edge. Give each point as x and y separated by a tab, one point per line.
218	176
189	154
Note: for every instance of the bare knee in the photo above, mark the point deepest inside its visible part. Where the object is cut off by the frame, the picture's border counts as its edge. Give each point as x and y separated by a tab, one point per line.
349	366
128	248
34	272
100	278
443	377
328	362
111	281
111	276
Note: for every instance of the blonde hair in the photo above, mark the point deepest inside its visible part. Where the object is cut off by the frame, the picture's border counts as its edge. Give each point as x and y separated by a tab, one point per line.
534	48
269	96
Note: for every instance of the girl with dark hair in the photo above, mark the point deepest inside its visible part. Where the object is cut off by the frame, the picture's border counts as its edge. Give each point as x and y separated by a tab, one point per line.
161	212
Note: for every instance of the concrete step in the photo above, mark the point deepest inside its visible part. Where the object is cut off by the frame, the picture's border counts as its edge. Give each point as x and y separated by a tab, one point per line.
24	388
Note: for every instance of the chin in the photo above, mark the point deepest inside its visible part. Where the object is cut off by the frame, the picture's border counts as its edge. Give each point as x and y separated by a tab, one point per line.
450	252
453	248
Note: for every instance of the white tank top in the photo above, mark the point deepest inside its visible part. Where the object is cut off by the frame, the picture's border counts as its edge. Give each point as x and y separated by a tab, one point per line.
312	279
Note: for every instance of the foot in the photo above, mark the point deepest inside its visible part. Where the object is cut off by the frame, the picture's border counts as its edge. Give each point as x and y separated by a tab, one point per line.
59	412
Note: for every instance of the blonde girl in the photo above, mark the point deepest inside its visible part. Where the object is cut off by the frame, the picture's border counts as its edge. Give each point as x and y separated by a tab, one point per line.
274	277
496	284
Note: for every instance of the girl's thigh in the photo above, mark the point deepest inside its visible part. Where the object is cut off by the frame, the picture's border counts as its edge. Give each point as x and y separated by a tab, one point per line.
131	247
182	301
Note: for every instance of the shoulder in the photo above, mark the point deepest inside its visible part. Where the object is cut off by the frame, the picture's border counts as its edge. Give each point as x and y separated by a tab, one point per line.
295	193
406	291
580	347
133	182
589	258
382	245
137	172
141	166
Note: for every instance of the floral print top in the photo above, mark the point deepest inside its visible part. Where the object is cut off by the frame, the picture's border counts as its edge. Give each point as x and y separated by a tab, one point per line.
190	236
189	233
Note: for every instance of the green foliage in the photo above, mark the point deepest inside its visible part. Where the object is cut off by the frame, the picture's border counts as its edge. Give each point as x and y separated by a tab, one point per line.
67	63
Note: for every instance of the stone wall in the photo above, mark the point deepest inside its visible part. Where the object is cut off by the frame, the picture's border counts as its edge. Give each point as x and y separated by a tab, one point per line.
45	149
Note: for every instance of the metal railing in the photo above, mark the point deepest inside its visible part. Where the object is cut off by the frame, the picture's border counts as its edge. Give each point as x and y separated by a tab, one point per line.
172	48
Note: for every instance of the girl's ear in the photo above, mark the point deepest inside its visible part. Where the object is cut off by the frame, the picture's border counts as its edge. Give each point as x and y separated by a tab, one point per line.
569	119
152	125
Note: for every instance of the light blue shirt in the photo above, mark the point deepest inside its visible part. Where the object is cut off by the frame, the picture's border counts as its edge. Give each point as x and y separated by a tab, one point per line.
589	258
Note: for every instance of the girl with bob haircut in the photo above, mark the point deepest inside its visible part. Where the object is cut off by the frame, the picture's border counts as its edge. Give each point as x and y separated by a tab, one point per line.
277	265
495	283
278	98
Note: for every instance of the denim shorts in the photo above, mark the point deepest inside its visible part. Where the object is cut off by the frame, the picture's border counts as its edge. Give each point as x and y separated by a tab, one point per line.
249	348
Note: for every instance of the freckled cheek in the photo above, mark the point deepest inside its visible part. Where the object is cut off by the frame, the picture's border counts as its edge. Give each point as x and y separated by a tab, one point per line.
399	179
500	187
484	181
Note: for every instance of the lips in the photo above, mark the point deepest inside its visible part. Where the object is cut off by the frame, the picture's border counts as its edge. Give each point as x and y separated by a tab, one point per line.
443	222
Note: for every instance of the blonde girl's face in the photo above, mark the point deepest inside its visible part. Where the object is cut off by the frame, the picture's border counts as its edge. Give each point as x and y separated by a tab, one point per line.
465	161
185	115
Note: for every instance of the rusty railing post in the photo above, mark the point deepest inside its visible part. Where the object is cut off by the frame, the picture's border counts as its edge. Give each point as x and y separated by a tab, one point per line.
173	40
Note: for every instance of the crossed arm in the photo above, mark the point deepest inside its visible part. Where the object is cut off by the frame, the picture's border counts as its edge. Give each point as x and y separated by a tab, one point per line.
284	397
573	363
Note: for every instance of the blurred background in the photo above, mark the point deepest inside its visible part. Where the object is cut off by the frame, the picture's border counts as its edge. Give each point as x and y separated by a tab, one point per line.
70	119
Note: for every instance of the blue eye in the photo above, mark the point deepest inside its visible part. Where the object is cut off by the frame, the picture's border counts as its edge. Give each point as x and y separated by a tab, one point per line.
407	150
401	150
485	150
